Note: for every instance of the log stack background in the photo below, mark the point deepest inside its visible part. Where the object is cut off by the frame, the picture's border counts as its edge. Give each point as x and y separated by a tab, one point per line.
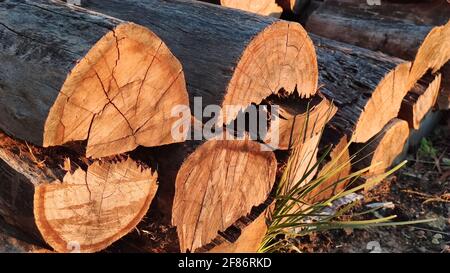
87	150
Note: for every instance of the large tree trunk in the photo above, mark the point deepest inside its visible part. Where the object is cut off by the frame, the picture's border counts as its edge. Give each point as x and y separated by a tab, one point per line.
230	58
360	83
66	73
428	12
428	46
70	207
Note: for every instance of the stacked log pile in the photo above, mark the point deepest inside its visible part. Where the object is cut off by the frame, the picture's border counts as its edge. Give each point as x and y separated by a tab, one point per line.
106	115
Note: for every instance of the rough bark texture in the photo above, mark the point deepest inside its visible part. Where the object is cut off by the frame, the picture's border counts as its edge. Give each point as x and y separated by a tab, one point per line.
249	57
86	210
348	23
360	82
52	53
444	94
15	241
430	12
420	100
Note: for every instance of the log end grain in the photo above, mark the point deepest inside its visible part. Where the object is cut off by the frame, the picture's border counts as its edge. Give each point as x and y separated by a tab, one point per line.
281	58
91	209
217	184
116	97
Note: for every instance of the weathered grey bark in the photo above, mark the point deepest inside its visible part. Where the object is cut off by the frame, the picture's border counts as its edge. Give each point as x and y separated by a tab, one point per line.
428	12
350	24
19	177
360	82
210	41
41	42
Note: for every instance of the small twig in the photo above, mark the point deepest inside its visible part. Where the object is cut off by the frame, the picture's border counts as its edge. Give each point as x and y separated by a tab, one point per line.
445	198
432	230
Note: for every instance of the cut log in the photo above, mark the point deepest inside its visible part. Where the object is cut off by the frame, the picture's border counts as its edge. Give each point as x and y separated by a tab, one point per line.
204	188
428	46
420	100
347	23
360	83
262	7
429	12
230	58
298	120
380	152
86	210
92	70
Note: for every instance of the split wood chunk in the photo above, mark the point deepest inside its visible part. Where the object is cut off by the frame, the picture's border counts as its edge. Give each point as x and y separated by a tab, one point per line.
84	211
360	82
335	167
216	185
262	7
381	151
300	168
91	78
299	120
230	58
420	100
